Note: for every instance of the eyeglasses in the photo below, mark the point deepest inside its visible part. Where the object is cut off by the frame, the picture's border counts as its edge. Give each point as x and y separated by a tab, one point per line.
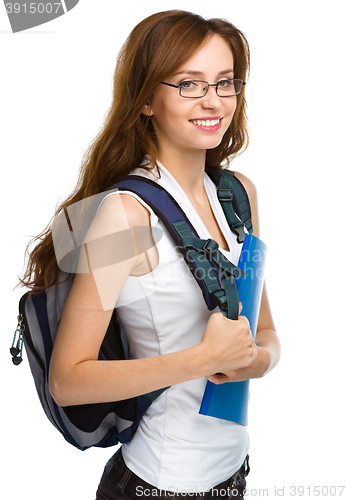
198	88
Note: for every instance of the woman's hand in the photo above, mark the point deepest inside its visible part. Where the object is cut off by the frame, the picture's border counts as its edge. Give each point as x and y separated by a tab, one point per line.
261	357
226	345
260	365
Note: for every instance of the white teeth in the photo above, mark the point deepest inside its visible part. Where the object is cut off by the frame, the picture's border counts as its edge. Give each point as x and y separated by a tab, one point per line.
206	123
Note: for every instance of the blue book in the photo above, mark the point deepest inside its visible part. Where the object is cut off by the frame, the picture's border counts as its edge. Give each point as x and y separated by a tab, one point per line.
229	401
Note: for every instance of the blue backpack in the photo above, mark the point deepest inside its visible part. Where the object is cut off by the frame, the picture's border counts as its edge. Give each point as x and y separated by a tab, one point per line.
106	424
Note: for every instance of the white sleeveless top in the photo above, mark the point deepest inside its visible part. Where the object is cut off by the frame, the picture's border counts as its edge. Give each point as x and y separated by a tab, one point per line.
175	448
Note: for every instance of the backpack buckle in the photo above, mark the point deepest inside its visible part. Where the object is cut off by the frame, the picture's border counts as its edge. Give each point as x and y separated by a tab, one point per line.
242	230
224	194
220	298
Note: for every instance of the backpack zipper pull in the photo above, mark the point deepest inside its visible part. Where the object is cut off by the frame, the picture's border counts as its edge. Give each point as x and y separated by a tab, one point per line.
16	349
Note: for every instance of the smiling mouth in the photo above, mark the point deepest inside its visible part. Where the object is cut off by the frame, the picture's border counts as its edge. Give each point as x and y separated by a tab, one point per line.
206	123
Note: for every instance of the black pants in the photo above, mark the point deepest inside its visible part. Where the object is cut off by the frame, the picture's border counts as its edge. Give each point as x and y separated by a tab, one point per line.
119	483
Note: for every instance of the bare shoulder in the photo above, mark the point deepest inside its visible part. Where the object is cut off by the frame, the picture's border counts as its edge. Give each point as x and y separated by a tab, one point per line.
117	213
125	208
111	231
125	218
251	191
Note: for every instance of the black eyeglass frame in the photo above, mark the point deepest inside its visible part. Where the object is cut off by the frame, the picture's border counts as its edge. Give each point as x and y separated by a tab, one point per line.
216	85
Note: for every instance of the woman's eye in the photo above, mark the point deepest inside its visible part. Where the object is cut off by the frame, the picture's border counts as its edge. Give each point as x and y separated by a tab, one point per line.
225	83
187	84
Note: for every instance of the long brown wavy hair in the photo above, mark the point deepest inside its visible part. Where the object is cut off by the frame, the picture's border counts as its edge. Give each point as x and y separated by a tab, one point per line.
155	49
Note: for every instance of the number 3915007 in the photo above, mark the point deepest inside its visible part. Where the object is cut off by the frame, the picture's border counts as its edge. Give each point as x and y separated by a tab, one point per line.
33	8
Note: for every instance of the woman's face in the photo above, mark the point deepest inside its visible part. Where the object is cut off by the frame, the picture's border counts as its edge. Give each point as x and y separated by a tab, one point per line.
179	122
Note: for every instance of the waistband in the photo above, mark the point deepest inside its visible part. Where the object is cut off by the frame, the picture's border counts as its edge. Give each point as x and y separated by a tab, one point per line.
129	483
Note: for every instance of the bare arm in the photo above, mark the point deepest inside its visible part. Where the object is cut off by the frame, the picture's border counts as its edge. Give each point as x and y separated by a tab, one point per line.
76	375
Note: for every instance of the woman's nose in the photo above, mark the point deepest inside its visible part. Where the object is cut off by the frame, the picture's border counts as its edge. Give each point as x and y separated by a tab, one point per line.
211	100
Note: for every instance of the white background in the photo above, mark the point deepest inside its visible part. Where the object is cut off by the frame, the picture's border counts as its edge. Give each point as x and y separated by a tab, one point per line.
55	89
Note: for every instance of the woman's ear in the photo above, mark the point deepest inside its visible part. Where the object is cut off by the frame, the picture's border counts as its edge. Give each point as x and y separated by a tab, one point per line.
146	110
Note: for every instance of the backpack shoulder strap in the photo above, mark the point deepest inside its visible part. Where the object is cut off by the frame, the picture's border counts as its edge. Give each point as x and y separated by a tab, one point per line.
234	201
172	216
214	274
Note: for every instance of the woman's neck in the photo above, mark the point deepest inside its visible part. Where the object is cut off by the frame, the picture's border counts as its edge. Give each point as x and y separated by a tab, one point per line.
188	171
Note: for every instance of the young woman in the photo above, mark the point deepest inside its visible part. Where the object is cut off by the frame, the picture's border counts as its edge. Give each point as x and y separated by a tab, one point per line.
178	105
